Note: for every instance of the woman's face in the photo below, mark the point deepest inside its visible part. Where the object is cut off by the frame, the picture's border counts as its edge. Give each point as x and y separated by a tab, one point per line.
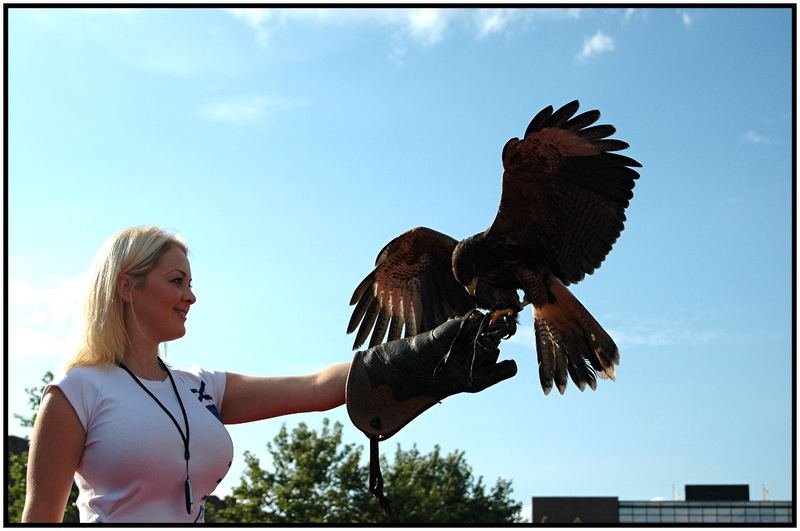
161	302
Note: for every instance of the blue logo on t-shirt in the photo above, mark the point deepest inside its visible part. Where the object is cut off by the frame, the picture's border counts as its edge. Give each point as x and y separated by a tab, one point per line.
201	396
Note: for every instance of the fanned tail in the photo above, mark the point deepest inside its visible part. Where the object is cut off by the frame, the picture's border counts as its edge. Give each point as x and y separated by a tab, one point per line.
570	341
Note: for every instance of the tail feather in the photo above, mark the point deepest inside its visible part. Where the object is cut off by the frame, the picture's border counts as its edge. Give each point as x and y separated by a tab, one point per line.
570	341
546	354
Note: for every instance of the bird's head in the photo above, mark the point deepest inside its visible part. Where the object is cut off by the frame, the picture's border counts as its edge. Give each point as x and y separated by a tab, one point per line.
465	269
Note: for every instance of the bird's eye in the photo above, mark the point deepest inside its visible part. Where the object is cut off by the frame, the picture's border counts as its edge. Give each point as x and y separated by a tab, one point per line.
466	272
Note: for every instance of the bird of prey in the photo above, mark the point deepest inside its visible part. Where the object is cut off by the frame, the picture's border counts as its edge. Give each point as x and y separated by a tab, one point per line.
562	208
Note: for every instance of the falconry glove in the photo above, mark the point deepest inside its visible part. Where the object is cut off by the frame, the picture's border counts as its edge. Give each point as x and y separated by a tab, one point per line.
390	384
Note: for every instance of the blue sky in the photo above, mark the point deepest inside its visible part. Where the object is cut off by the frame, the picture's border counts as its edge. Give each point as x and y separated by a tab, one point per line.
288	146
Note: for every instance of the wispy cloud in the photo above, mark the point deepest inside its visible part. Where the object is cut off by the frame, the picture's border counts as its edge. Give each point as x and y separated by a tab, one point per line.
597	44
489	21
126	11
244	110
686	18
44	321
631	14
752	137
666	335
419	26
427	26
651	333
256	18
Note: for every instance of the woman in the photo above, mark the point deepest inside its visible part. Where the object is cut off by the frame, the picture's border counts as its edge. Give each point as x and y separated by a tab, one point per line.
120	421
147	443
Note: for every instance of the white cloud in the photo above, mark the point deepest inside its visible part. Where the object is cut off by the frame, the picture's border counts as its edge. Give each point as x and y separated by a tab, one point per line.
256	18
44	321
243	110
598	43
490	21
427	25
664	334
421	26
753	137
687	19
126	11
650	333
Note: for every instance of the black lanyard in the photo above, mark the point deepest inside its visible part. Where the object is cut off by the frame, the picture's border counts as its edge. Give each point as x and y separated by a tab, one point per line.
187	485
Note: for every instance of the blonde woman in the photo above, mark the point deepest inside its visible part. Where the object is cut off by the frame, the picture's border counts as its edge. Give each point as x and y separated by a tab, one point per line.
143	441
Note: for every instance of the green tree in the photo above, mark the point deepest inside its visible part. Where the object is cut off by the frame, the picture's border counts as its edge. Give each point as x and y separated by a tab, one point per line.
34	398
17	468
316	479
18	463
433	488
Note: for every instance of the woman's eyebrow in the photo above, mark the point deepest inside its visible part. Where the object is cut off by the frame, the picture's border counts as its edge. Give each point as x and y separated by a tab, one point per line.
179	271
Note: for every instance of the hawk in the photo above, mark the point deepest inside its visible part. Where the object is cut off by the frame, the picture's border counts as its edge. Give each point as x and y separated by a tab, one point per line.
562	208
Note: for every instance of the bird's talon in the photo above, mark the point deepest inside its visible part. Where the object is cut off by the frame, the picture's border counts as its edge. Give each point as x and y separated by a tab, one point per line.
500	314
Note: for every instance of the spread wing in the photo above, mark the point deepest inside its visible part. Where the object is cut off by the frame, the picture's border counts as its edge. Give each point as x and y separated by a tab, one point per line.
564	191
411	289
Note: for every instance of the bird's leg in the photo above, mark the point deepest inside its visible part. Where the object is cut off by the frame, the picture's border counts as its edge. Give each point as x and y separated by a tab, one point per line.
501	313
507	314
499	323
478	336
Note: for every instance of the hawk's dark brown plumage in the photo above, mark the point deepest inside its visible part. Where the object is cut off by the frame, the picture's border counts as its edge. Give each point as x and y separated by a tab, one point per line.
562	208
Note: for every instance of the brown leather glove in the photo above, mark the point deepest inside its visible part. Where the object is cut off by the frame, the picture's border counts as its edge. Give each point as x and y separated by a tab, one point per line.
390	384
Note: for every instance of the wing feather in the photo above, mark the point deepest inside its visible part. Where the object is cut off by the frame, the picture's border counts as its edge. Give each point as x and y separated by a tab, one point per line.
365	284
538	121
411	290
564	193
597	132
581	121
381	325
558	118
367	323
361	307
395	327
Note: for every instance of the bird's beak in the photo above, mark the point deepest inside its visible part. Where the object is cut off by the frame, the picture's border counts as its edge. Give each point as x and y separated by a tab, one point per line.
473	285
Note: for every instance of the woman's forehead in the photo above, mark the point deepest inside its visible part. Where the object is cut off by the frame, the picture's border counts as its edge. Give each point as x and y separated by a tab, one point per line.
174	258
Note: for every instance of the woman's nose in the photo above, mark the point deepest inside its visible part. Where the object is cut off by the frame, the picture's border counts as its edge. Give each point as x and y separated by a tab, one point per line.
189	296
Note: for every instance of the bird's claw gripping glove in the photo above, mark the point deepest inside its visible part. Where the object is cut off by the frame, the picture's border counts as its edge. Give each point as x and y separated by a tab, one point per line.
390	384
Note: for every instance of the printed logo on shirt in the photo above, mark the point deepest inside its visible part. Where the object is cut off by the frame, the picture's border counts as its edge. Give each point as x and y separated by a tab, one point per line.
202	396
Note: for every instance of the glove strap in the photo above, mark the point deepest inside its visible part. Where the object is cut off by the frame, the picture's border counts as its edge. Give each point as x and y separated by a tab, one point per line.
375	476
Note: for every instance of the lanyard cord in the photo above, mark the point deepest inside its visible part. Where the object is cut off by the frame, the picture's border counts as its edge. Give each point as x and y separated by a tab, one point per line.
184	438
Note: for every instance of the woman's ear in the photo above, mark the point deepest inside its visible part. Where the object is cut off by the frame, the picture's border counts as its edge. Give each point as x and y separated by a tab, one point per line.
125	285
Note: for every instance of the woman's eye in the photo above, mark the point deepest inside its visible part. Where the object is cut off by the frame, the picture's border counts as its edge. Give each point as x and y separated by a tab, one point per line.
179	281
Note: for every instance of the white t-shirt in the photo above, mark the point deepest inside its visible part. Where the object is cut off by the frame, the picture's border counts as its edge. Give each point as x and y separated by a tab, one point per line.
133	467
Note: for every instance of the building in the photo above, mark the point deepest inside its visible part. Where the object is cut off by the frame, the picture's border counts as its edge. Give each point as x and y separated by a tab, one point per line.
704	504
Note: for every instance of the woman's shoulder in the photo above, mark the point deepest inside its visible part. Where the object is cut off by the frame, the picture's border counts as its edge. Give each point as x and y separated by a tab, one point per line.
84	375
213	380
87	372
197	373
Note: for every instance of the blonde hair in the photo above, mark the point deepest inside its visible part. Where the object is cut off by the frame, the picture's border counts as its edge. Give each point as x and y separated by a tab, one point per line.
134	252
